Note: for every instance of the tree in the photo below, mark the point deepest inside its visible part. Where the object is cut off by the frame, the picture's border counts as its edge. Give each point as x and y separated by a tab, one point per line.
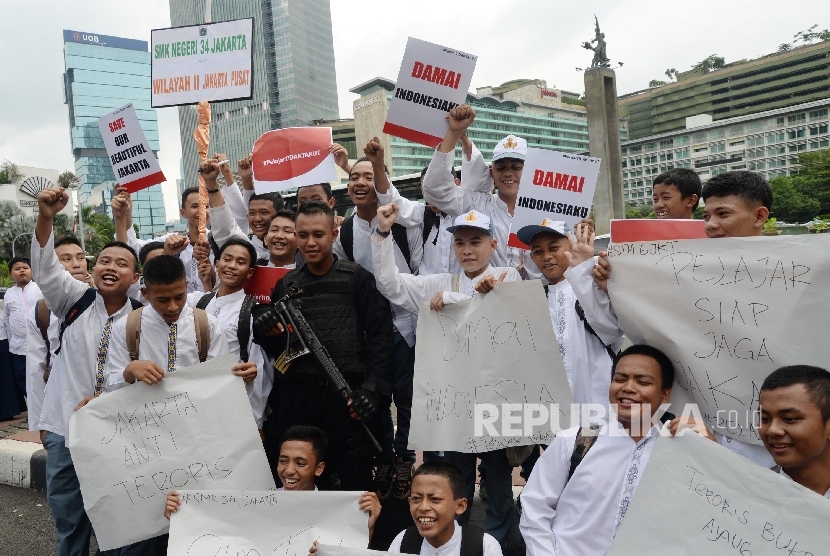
789	203
671	73
784	47
68	180
9	172
655	83
10	231
639	211
711	63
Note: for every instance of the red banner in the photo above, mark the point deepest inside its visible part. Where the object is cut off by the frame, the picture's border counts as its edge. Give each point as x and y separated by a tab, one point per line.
263	281
648	229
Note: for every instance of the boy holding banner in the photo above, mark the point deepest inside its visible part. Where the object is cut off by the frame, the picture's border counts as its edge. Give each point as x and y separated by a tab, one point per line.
474	244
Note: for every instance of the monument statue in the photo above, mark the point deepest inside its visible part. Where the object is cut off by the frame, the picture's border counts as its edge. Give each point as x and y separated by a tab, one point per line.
600	56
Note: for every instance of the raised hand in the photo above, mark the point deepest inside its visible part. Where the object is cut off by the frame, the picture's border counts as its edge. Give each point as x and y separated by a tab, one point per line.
489	283
602	271
209	171
341	156
175	244
460	118
51	201
374	151
387	215
201	250
246	172
582	245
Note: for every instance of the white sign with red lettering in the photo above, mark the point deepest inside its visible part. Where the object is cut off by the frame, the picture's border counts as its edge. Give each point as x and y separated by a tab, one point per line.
292	157
555	186
133	163
432	81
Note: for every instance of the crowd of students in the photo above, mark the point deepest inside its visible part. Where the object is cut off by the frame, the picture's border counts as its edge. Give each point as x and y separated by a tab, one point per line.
361	282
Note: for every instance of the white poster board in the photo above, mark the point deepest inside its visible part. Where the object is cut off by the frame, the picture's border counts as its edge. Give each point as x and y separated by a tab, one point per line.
131	447
433	80
492	358
728	312
697	497
277	523
555	186
133	162
210	61
332	550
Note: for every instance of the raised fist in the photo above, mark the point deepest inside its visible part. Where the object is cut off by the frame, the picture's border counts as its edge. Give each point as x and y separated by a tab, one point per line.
51	201
387	215
460	118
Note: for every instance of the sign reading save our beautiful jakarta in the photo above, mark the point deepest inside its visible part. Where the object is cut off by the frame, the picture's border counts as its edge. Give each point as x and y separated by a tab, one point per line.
211	62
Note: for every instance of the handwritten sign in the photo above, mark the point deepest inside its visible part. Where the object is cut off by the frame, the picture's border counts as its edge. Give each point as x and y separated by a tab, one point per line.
697	497
433	80
262	282
728	312
292	157
277	523
133	446
555	186
133	163
210	61
332	550
486	353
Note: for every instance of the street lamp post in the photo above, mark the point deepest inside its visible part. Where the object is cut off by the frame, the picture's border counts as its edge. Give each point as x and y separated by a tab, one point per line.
17	236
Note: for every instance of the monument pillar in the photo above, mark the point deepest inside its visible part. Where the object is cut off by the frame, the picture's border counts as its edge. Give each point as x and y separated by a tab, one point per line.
604	143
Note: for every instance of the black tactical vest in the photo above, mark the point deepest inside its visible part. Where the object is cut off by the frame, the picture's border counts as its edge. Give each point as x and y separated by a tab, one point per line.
328	306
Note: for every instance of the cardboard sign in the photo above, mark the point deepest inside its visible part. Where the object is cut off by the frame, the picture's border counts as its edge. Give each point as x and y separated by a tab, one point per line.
133	163
211	62
697	497
292	157
279	523
656	229
728	312
262	282
555	186
432	81
483	354
131	447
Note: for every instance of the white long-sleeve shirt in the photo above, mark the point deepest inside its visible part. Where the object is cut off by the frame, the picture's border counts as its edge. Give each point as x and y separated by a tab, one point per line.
581	516
36	364
403	320
16	307
439	255
226	310
225	227
490	546
191	266
153	346
75	367
475	194
409	292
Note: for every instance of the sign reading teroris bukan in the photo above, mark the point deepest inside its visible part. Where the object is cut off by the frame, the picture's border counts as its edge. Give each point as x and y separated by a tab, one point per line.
133	163
555	186
292	157
432	81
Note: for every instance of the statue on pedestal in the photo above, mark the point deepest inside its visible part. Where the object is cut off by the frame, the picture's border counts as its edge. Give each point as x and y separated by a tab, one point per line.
600	55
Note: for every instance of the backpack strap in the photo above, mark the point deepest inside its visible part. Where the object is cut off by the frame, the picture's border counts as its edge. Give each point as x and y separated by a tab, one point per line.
134	332
205	300
472	540
135	303
347	237
243	328
399	235
213	246
455	279
262	261
411	541
430	221
585	438
42	316
84	303
580	312
202	325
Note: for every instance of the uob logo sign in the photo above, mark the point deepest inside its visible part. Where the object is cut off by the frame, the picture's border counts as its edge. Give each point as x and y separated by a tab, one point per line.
84	37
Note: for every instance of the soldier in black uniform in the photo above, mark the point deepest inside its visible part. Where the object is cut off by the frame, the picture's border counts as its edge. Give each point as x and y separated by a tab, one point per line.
353	321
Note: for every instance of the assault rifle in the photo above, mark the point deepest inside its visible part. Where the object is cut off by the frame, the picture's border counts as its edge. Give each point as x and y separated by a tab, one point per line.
305	342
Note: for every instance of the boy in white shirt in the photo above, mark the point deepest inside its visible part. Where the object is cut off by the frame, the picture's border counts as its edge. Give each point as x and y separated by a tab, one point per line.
18	302
281	241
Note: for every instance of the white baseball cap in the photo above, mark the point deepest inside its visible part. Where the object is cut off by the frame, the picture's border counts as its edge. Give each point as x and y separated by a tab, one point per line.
510	147
526	233
472	219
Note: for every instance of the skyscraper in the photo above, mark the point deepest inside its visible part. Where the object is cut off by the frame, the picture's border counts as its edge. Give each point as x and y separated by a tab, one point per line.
294	76
104	73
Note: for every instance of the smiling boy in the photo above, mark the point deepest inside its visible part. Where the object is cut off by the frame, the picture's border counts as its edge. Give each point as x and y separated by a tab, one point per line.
675	194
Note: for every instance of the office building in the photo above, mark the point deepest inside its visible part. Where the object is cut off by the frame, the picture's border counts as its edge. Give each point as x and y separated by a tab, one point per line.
103	73
741	88
548	118
294	75
766	142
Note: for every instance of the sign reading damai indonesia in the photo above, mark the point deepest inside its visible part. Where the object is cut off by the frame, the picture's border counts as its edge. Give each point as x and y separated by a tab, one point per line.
133	163
210	62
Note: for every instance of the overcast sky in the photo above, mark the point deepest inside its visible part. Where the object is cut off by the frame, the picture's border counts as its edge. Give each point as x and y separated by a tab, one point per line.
533	39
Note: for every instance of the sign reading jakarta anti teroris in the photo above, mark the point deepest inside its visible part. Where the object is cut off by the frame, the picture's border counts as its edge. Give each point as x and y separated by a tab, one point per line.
211	61
555	186
697	497
133	163
488	373
280	523
292	157
432	81
728	312
131	447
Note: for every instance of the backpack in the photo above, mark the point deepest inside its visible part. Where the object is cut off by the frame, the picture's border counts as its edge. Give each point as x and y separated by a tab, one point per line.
398	235
42	316
84	303
580	312
472	541
243	329
200	320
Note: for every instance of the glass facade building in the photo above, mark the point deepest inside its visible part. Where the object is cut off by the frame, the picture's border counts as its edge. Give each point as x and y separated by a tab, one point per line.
294	74
103	73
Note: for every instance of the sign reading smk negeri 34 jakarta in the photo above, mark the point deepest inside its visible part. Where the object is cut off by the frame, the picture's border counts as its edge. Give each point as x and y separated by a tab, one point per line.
209	62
